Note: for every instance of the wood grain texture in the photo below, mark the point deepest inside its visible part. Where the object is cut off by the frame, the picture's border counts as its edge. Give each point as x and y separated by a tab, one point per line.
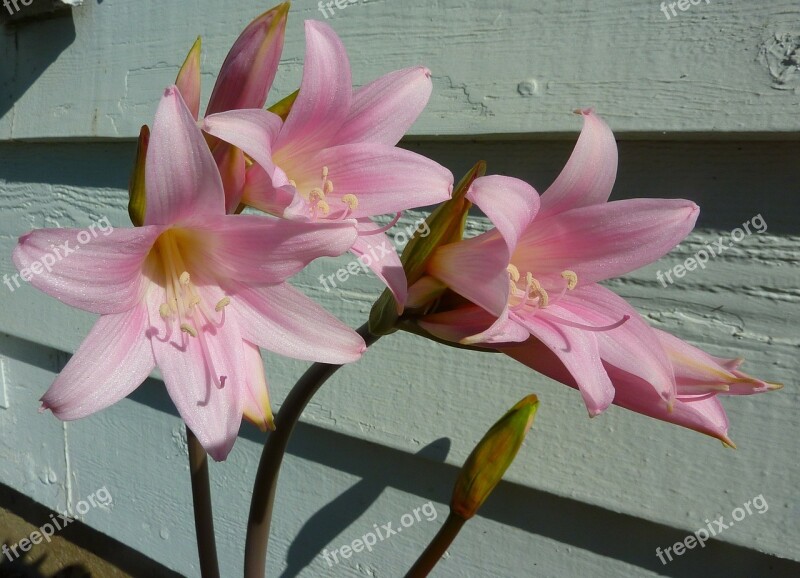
500	67
650	483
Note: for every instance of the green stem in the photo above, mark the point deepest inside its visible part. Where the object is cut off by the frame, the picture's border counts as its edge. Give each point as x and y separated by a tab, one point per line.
203	512
258	526
438	546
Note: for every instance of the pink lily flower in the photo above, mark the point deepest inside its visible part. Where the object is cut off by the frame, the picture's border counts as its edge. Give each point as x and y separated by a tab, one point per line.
244	82
193	291
334	159
536	273
533	292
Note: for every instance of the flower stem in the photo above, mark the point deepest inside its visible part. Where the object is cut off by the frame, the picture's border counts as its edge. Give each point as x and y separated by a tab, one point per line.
258	526
203	512
438	546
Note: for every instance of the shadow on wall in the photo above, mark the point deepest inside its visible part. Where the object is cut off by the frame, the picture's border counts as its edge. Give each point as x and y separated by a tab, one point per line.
28	48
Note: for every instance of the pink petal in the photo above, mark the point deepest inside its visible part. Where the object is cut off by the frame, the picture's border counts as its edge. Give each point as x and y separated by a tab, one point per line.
103	275
589	175
213	414
603	241
250	67
384	179
325	97
476	269
113	360
633	347
698	372
703	415
181	176
578	351
385	109
231	164
378	253
472	325
257	408
260	194
265	250
510	204
285	321
251	130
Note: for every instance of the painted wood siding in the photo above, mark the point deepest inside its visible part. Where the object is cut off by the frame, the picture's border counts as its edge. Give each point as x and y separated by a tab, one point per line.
705	106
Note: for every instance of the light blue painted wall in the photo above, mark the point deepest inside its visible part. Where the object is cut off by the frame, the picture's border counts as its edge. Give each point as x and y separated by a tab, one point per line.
700	115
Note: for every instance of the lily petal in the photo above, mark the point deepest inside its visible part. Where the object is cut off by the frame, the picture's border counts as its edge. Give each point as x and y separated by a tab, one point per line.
113	360
599	242
473	325
589	175
476	269
265	250
104	275
250	67
510	204
251	130
257	407
633	347
385	109
181	174
378	253
325	96
260	193
278	319
231	163
577	350
214	415
384	179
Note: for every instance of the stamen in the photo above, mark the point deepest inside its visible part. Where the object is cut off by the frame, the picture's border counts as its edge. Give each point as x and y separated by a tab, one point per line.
165	311
316	195
328	187
514	272
185	279
351	201
571	277
568	323
222	304
324	173
324	208
293	183
382	229
186	328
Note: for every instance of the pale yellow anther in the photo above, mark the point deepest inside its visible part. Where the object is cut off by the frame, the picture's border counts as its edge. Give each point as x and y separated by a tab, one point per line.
571	277
536	290
194	301
185	279
222	304
324	172
186	328
316	195
351	201
293	183
323	207
328	187
514	272
165	311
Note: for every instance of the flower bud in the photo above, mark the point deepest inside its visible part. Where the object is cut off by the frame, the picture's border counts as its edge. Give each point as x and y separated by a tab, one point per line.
490	459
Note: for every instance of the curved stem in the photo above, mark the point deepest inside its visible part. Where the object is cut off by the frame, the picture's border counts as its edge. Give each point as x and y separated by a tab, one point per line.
203	512
438	546
258	525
